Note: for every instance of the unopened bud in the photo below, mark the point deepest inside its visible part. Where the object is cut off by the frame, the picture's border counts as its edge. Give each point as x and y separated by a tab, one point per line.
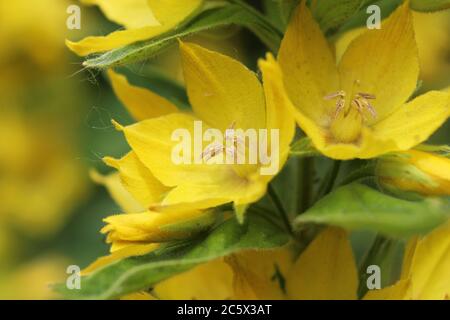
415	171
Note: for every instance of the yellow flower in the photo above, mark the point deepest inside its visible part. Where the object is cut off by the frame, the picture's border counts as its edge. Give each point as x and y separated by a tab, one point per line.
357	109
222	92
136	190
415	171
40	181
326	271
33	280
145	222
142	20
24	34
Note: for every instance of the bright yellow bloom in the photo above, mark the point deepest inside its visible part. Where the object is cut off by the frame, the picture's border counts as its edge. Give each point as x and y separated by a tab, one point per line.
415	171
142	19
357	109
327	270
222	92
138	192
145	222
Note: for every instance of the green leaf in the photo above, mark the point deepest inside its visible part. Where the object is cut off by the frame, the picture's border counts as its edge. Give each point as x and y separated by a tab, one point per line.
303	148
430	5
286	8
382	254
360	18
214	18
358	207
138	273
331	14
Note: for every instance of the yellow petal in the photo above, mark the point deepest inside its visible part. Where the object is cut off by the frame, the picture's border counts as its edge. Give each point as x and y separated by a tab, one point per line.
402	290
383	62
223	189
154	226
135	250
278	105
138	180
169	13
430	267
117	191
152	142
222	91
308	66
207	184
260	274
131	13
211	280
141	103
414	122
408	257
326	270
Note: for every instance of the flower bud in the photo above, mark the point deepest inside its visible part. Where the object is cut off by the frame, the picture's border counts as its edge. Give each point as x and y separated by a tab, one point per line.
152	226
415	171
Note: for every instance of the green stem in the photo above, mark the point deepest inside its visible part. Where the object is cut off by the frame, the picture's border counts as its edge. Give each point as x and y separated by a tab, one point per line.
329	181
279	206
368	171
305	183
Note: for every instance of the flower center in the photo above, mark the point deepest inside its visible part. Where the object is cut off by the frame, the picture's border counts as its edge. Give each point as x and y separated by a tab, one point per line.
350	115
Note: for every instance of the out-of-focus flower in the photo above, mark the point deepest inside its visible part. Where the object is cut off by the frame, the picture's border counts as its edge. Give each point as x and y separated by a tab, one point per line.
327	271
40	179
415	171
357	109
432	33
33	280
324	271
142	20
28	43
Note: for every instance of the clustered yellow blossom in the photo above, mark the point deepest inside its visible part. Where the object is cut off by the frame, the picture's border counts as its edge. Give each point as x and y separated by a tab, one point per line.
358	107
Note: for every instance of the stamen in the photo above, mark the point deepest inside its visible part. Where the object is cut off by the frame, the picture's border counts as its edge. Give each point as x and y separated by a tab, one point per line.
212	150
216	148
340	94
366	96
339	107
340	102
